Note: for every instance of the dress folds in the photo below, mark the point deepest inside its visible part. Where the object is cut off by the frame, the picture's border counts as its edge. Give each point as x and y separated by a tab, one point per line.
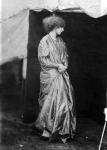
56	98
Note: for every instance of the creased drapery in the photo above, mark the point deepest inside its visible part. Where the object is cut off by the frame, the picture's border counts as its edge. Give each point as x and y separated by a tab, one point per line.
94	8
14	37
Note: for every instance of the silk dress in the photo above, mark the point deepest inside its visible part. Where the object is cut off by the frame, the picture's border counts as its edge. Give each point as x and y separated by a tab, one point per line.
57	115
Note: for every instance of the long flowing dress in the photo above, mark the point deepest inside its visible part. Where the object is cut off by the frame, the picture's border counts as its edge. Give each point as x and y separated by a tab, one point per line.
57	111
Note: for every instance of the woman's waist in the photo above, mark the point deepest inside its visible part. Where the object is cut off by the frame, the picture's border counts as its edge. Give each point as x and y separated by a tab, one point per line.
50	71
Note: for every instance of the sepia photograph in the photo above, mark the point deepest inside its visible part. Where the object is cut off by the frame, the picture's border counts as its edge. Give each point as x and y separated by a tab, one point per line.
53	75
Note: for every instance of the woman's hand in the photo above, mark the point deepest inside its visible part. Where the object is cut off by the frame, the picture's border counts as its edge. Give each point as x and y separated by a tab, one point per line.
61	68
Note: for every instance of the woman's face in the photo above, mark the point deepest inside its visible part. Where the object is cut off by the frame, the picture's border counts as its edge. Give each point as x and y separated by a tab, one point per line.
59	30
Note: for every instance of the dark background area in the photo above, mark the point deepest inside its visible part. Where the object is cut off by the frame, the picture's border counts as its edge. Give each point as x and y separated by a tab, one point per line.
86	40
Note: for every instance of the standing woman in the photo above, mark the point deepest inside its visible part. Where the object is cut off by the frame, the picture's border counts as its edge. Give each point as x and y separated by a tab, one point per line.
57	117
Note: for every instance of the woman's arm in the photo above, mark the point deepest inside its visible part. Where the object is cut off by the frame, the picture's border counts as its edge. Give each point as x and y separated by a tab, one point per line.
43	55
45	61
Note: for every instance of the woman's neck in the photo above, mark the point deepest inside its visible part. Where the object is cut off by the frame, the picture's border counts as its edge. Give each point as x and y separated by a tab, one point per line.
53	35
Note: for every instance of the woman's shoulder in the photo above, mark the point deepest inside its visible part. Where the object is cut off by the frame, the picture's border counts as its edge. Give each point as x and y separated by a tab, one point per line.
44	39
43	47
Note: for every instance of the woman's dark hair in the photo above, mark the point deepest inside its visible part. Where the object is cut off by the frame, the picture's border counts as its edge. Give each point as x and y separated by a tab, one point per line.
53	22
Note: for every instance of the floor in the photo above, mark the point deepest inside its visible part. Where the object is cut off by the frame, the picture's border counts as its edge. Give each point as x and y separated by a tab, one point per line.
15	135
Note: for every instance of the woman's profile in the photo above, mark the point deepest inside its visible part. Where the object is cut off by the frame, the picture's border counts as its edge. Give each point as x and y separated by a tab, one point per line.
57	117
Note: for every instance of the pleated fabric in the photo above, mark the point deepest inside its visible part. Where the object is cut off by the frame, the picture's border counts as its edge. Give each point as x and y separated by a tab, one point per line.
57	115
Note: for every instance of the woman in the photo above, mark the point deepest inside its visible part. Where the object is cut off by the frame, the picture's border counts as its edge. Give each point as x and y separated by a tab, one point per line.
57	113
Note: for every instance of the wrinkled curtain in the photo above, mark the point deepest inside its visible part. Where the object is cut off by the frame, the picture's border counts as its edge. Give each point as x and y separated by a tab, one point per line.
14	21
94	8
15	36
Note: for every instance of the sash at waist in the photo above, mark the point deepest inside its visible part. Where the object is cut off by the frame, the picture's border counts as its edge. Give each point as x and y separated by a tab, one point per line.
49	73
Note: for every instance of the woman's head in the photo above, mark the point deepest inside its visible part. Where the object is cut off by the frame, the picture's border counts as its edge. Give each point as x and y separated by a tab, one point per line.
59	30
54	23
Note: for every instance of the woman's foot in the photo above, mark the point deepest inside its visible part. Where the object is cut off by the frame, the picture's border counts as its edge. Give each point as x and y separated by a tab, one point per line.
46	134
64	140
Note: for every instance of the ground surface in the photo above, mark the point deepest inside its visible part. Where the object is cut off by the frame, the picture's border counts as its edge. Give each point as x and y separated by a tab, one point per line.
15	135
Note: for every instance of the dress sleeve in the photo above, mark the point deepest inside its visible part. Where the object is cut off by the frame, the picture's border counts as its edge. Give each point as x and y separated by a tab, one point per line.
43	49
44	57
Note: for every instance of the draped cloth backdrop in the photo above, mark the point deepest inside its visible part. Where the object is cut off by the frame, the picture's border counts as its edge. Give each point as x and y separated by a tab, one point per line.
14	21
